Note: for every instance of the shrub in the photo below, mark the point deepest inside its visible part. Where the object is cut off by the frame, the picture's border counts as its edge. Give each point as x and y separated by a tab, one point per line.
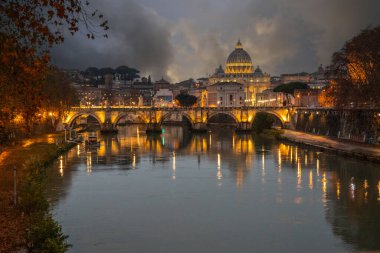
185	100
43	233
262	121
45	236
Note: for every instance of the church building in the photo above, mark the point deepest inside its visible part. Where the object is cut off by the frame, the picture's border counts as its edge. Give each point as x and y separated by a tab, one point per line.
240	69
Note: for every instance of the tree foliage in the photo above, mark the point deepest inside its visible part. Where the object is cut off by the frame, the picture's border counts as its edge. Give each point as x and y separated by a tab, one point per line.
41	23
127	73
185	100
46	236
262	121
28	30
57	93
21	75
356	70
289	88
106	71
91	72
124	72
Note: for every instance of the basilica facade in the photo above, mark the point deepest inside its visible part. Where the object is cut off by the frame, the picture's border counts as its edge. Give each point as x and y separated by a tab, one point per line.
240	69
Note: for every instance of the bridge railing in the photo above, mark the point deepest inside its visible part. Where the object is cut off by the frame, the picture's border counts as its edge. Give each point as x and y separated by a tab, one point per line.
134	108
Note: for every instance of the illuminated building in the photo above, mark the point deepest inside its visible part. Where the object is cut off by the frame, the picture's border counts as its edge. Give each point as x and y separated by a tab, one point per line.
307	98
163	98
226	94
240	69
298	77
161	84
270	98
201	94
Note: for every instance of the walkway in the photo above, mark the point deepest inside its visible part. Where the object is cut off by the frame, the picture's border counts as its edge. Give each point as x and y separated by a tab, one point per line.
359	150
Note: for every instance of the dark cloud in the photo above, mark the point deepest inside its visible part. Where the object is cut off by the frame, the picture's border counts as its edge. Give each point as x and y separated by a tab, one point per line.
282	36
181	39
138	38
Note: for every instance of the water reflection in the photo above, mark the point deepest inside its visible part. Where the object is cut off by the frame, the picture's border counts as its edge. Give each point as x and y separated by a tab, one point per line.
267	174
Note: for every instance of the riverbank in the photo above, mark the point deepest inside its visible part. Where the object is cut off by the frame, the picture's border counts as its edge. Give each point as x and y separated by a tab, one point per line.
347	148
43	148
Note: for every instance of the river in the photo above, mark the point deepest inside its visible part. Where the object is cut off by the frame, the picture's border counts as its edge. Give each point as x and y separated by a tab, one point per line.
215	192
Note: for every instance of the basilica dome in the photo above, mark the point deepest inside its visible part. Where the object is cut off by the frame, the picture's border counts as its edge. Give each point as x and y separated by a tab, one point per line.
239	61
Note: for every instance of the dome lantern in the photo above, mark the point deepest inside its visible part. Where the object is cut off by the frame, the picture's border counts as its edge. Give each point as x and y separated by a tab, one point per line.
238	44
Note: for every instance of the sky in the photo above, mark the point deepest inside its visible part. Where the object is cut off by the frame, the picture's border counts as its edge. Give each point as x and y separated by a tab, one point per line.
181	39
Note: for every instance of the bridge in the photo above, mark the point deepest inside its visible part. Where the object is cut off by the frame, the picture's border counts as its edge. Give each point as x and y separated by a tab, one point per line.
153	117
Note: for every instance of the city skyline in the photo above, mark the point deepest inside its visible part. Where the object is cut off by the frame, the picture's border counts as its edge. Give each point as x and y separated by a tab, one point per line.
179	40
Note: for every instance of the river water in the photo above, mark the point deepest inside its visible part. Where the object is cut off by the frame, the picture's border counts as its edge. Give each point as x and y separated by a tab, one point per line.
216	192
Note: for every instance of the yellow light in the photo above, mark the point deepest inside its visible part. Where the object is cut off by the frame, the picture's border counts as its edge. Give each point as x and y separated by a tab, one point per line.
219	162
134	161
299	175
138	137
291	154
263	162
61	166
311	179
174	167
219	175
366	184
89	163
317	166
338	190
324	189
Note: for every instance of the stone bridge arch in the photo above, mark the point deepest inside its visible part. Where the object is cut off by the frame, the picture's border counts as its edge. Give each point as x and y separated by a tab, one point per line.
230	114
139	115
73	116
168	114
282	116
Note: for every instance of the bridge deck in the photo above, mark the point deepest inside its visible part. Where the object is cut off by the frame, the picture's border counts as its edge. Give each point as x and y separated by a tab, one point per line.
148	108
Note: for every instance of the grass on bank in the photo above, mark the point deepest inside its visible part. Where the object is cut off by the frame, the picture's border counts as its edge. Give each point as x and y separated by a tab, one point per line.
42	233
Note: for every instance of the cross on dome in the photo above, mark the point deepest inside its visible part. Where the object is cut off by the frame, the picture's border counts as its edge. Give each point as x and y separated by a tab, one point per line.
239	44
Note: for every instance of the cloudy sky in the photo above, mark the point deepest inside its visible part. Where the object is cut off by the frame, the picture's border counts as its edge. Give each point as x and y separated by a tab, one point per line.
179	39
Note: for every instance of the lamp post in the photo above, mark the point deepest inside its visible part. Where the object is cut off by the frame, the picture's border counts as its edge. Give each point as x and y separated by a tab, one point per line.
52	118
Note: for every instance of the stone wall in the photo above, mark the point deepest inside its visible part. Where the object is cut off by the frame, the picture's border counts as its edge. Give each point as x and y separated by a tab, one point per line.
357	125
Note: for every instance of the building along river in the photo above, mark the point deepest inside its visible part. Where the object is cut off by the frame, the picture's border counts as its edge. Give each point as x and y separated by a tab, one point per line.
216	192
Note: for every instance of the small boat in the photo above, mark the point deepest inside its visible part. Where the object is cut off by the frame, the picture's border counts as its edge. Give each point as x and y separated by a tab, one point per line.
92	140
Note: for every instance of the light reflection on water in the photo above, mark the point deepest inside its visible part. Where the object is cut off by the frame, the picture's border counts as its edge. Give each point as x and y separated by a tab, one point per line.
217	192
